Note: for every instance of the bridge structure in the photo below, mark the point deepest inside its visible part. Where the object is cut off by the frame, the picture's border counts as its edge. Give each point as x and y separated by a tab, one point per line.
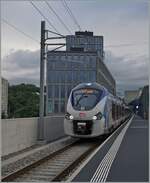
121	156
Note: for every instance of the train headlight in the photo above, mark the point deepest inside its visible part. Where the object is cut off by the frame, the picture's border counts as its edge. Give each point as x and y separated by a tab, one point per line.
94	118
68	116
98	116
71	117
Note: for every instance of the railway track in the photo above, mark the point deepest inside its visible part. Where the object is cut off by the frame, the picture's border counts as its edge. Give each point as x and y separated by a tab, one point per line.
55	166
59	164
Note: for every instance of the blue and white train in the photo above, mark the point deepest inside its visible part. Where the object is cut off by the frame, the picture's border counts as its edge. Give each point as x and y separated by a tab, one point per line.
92	111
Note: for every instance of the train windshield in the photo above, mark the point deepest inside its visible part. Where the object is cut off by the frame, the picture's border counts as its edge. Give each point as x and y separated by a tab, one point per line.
85	99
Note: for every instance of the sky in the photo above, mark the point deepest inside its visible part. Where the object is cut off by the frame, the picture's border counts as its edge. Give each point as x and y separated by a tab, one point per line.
124	25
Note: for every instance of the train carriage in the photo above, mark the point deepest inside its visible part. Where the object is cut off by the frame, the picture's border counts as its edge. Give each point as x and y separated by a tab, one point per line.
92	111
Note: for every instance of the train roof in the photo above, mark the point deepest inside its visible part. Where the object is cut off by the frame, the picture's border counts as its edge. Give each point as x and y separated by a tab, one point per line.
90	85
99	87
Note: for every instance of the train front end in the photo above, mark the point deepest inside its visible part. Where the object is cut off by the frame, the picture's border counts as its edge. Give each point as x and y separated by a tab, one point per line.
85	116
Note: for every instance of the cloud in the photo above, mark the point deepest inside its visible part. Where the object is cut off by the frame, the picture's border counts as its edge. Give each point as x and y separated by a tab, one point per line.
22	66
129	72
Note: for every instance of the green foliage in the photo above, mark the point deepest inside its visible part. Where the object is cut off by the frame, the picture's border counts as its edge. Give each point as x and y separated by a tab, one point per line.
23	101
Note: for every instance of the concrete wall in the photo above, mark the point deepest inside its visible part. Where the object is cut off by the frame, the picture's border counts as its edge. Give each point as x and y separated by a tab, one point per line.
20	133
54	128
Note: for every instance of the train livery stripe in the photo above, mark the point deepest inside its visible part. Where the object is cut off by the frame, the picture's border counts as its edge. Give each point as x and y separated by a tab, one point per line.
105	165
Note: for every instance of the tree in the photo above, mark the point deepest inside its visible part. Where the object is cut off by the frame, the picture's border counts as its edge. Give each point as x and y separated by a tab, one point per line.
23	101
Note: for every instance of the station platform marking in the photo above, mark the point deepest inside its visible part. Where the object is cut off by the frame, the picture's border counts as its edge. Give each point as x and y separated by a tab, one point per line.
105	165
139	127
95	152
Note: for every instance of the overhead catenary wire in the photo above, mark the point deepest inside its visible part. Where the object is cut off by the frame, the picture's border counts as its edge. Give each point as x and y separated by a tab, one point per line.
17	29
71	14
66	27
30	37
46	19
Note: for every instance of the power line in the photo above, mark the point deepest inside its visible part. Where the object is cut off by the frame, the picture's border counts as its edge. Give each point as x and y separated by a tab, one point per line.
17	29
44	16
58	17
71	14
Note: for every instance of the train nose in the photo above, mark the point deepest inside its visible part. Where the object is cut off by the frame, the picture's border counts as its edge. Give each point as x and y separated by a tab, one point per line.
81	127
82	114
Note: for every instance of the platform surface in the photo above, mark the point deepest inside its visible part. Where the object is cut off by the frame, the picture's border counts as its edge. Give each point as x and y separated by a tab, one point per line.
124	158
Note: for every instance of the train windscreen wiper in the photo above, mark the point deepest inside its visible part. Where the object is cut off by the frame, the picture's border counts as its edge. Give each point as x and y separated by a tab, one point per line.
81	97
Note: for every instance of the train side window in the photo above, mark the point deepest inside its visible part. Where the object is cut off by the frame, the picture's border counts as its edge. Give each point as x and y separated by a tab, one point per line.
117	111
113	111
122	111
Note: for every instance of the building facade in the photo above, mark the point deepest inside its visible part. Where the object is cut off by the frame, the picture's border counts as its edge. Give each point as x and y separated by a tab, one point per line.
130	95
85	41
144	101
4	97
66	69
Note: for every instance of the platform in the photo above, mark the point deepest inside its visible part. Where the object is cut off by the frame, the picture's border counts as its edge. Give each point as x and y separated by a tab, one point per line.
124	157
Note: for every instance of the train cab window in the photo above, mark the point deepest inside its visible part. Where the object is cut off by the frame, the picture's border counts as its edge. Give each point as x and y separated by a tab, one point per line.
86	98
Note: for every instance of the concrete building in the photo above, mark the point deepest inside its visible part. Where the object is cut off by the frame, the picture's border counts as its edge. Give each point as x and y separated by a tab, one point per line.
130	95
85	41
144	102
66	69
4	97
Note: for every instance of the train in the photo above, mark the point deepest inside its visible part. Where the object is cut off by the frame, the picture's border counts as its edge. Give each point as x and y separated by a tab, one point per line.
92	111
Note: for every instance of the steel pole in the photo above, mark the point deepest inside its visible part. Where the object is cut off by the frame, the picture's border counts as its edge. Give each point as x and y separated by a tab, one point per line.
42	71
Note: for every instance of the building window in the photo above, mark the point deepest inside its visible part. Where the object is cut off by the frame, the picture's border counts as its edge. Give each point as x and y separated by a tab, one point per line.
62	76
56	108
50	106
50	91
69	64
75	76
92	62
68	90
69	76
62	91
62	106
81	76
56	91
92	76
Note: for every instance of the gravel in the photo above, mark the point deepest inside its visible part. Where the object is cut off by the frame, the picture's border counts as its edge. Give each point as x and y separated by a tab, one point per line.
35	155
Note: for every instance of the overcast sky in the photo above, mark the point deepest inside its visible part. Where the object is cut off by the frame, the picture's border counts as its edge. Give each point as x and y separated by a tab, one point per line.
123	23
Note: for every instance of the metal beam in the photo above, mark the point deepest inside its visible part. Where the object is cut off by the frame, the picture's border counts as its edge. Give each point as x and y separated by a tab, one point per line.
55	38
54	33
53	44
57	48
